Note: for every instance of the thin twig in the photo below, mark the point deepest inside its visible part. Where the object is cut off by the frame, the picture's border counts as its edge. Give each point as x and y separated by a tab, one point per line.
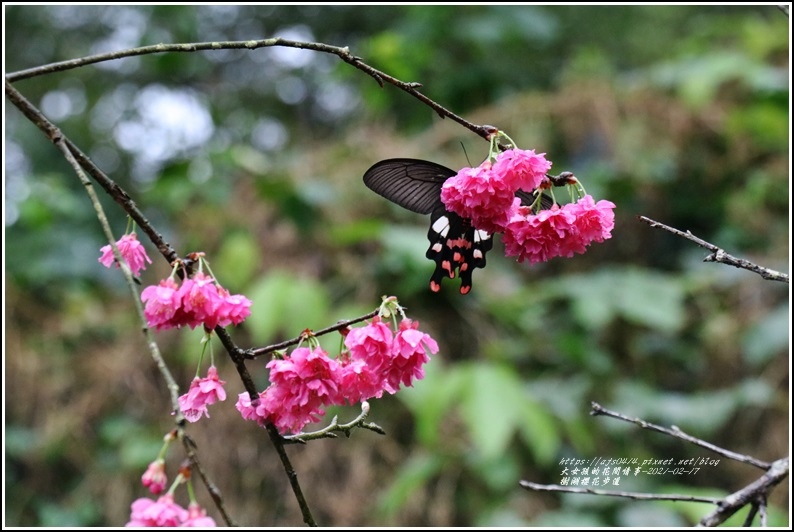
195	465
258	352
624	494
334	427
597	410
719	255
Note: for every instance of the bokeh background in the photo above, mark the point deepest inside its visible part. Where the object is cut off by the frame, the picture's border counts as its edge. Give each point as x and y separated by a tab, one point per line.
678	113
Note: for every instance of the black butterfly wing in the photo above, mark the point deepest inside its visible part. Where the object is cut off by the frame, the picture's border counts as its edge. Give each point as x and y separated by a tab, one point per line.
410	183
455	245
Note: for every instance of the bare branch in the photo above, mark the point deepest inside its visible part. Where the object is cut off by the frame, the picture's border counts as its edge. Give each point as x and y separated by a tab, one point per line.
755	493
719	255
255	353
675	432
342	52
624	494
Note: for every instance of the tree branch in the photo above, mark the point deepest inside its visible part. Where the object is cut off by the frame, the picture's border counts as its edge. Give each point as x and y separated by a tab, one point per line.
719	255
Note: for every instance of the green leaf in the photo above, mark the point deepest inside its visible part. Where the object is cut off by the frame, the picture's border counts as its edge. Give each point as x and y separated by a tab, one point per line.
286	304
431	399
768	338
236	261
412	475
639	296
492	406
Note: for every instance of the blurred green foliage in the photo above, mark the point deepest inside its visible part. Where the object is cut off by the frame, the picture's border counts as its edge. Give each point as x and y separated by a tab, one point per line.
679	113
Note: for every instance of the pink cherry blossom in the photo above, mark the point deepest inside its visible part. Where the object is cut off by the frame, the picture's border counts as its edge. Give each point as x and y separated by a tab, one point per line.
540	237
131	250
155	478
161	513
371	343
286	410
162	304
202	392
197	517
200	300
247	409
409	351
233	308
594	221
309	376
480	195
521	169
358	382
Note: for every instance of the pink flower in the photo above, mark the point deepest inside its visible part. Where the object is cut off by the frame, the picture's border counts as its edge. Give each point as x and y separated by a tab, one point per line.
409	351
594	221
358	382
540	237
163	512
521	169
558	232
197	517
281	406
155	478
131	250
162	304
202	392
481	195
233	308
371	343
248	409
199	301
309	375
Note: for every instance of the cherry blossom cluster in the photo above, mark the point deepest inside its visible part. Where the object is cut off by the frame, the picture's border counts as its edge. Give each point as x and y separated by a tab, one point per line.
200	300
487	196
165	512
377	358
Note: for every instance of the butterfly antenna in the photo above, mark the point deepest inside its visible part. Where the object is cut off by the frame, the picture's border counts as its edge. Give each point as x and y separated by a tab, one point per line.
465	153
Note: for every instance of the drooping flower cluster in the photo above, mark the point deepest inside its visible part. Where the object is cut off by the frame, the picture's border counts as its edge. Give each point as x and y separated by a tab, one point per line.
487	196
198	301
559	231
203	392
376	360
131	250
164	512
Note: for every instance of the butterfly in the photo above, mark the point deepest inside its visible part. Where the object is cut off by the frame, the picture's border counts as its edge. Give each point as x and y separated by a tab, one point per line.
455	244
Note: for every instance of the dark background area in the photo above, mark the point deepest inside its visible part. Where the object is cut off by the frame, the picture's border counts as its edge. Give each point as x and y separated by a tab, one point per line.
678	113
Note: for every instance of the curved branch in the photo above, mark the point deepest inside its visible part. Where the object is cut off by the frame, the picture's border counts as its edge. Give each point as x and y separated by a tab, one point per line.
342	52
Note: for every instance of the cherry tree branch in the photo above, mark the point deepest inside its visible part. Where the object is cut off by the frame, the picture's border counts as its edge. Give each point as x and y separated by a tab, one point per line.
755	493
258	352
719	255
598	410
343	53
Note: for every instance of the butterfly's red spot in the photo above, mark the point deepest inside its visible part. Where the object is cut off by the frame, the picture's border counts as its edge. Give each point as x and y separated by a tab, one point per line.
434	286
465	289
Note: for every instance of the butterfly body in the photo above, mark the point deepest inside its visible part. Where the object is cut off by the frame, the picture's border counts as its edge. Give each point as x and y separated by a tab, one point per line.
456	246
